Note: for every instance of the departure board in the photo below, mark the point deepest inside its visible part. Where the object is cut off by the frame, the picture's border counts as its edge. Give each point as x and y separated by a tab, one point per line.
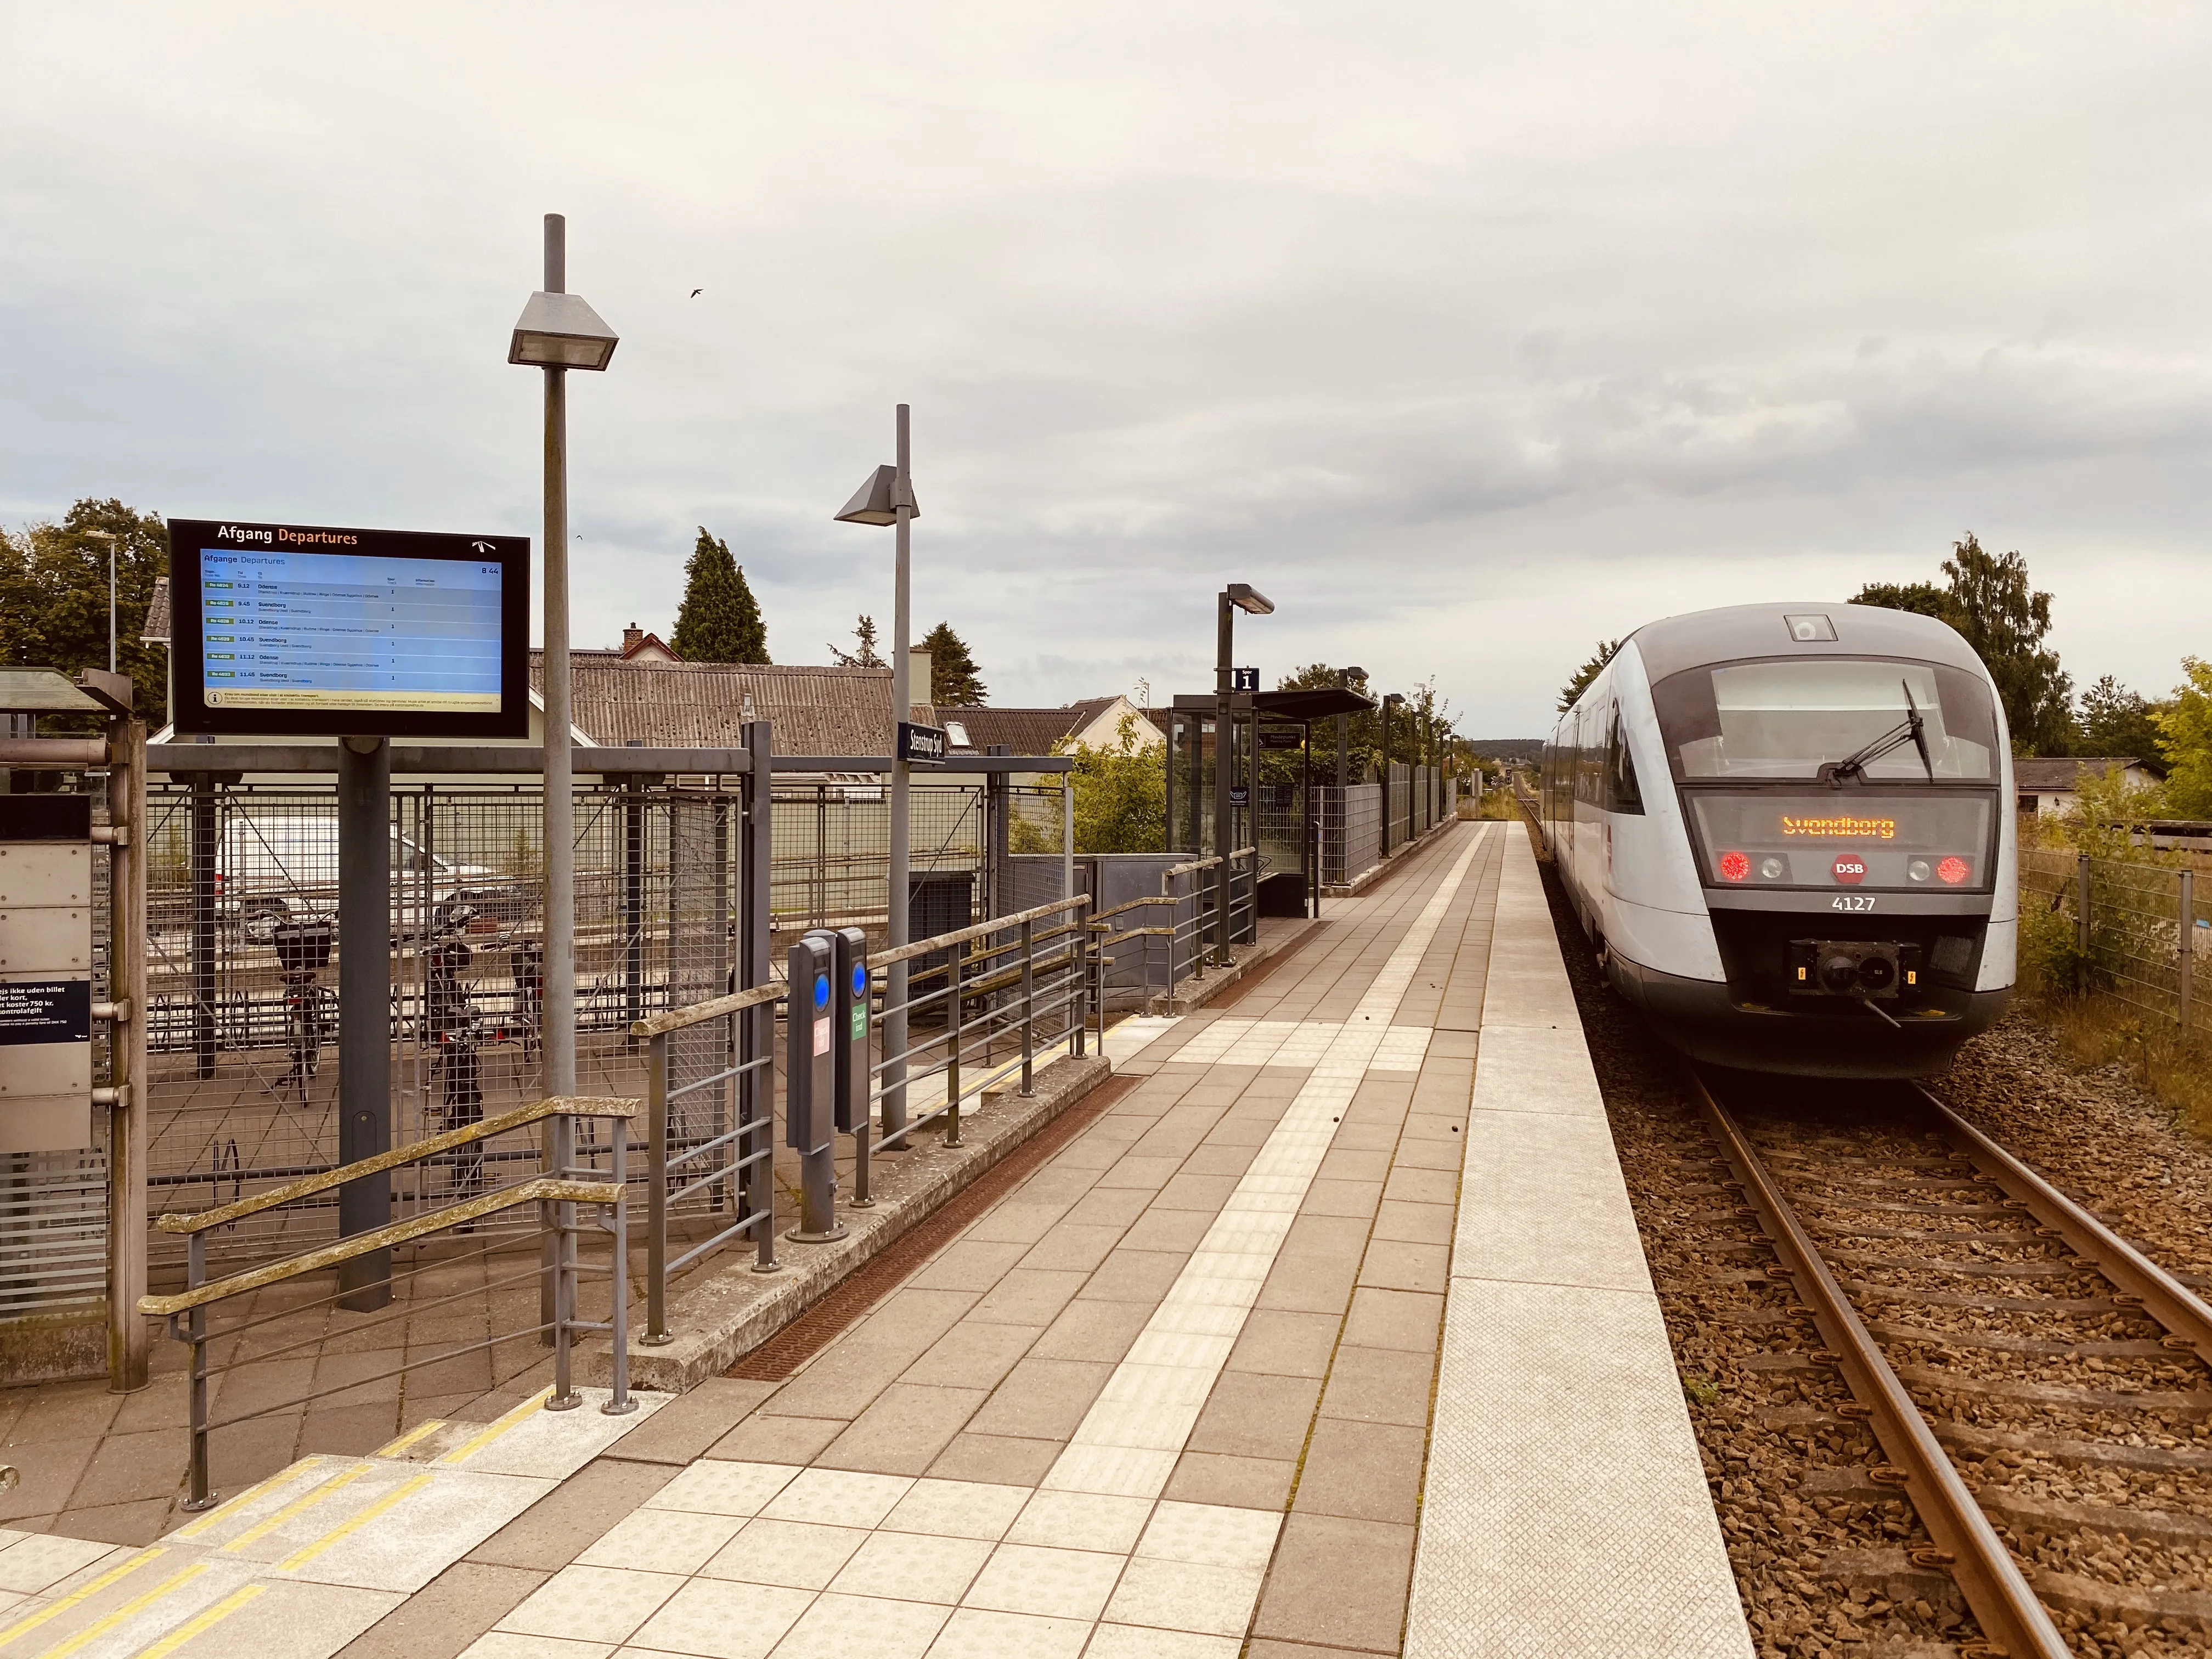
291	629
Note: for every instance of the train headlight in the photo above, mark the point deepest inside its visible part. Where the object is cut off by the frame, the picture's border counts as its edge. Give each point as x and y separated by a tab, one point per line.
1918	870
1952	872
1734	866
1770	868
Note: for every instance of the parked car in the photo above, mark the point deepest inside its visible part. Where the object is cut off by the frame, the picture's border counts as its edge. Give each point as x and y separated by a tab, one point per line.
272	869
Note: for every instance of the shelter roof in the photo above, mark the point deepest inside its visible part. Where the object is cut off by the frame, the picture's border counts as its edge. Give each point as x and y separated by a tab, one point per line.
155	630
1023	731
2063	772
823	710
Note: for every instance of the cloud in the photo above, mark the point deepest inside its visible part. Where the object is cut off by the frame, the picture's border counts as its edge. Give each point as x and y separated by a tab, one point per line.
1469	334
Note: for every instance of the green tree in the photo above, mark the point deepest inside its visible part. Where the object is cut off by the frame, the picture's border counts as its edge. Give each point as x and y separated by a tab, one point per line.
955	682
2005	621
53	598
1922	598
1571	692
719	620
866	656
2115	720
2185	725
1121	795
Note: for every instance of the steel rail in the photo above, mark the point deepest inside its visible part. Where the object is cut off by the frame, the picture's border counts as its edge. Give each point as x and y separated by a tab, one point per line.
1966	1544
2164	1297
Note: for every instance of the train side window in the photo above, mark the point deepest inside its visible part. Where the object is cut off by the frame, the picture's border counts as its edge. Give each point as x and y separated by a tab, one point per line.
1622	793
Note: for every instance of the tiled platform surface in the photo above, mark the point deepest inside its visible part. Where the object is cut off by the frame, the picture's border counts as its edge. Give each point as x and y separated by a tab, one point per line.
1173	1396
1565	1512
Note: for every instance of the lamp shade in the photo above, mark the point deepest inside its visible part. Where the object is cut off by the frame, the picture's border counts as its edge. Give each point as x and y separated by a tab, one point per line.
559	331
1247	598
877	500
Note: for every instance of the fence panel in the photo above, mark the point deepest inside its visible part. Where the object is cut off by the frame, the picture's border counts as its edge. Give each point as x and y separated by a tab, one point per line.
2147	937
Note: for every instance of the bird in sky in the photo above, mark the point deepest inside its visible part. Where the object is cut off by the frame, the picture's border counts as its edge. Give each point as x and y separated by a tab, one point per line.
696	292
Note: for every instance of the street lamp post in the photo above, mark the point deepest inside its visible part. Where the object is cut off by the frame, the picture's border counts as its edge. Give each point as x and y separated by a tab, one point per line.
887	498
1237	596
1390	700
558	331
108	536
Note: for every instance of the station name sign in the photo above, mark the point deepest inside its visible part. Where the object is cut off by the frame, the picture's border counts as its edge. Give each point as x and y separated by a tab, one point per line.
921	745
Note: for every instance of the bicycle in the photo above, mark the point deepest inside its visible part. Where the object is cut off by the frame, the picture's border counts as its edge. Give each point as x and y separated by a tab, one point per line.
303	949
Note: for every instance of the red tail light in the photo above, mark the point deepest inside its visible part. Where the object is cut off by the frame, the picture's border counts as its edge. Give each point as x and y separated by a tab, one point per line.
1952	872
1734	866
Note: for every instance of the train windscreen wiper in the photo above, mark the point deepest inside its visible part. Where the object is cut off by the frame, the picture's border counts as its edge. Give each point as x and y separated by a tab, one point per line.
1911	730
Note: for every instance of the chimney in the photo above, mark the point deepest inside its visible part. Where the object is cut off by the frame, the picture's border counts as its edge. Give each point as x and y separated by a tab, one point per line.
917	677
633	636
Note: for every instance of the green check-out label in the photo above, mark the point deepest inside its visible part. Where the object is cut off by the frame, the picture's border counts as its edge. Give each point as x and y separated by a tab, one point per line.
859	1024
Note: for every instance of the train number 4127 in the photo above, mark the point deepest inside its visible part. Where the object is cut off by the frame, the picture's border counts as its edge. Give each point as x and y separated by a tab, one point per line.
1850	902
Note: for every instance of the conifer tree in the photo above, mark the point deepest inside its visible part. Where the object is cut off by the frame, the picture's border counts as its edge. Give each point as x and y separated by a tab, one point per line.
955	682
866	656
719	620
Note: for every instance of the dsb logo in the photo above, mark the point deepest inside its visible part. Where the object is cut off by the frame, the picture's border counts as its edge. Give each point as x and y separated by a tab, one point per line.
1850	869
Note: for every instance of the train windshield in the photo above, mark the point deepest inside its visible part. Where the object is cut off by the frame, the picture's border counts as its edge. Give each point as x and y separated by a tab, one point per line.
1882	719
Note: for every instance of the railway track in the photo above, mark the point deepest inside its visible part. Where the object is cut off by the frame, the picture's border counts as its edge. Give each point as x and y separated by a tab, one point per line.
2039	1389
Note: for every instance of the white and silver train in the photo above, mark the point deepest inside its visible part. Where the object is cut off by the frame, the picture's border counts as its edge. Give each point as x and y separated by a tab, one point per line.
1787	829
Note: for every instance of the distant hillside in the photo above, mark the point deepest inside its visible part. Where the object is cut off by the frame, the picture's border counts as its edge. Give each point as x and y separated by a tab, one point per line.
1508	749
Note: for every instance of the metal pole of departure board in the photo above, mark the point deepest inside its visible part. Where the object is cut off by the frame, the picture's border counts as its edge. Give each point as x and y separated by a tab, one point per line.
898	901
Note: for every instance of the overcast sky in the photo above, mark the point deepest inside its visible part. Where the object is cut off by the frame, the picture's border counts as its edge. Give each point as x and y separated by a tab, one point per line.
1468	333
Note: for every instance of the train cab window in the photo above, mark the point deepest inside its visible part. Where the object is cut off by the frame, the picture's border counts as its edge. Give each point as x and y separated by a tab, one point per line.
1621	792
1787	718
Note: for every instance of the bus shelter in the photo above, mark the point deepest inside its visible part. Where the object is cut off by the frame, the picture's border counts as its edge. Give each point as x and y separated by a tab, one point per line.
1268	749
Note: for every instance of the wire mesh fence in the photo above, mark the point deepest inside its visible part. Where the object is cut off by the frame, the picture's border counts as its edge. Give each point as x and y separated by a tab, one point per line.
2141	933
1350	832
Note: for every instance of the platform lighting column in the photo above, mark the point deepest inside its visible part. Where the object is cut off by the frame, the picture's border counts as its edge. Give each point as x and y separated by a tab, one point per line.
558	331
109	536
1237	596
887	498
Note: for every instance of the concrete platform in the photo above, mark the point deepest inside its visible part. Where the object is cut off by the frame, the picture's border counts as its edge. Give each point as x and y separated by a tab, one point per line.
1263	1361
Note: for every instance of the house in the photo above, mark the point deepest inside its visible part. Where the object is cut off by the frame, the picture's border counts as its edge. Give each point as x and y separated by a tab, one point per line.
2047	785
1093	723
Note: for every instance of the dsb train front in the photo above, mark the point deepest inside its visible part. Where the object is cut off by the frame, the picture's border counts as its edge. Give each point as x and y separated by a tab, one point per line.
1786	830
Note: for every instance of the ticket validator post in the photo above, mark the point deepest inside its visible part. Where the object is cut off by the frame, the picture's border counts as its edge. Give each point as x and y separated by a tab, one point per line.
810	1108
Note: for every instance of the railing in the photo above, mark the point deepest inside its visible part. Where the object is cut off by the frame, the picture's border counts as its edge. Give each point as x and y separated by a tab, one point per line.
1189	928
984	1005
557	1193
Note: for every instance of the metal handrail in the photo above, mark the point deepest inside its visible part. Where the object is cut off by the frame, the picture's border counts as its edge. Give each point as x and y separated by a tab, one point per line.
200	1221
557	1193
539	1189
961	936
679	1019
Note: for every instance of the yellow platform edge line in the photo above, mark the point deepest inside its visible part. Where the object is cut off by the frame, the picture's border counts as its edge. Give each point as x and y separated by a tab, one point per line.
306	1501
100	1627
301	1557
83	1592
529	1407
230	1507
201	1622
421	1430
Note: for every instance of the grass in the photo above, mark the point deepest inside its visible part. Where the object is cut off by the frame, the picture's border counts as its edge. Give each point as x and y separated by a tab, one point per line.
2096	1030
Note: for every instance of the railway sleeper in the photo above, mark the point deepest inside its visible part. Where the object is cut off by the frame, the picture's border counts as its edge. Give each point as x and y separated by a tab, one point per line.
1887	1570
2195	1404
2048	1514
2069	1268
1977	1443
2173	1610
1932	1336
2049	1304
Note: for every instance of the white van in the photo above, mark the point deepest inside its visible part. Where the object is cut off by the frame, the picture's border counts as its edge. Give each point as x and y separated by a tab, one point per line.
268	869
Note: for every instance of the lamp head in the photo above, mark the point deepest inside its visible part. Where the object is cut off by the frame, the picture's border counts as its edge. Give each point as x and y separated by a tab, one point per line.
1248	598
1393	696
879	499
559	331
1352	674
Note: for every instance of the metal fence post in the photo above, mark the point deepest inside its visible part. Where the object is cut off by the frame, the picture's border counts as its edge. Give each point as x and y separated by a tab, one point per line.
1029	1007
619	1403
656	1190
2188	944
954	971
127	1072
561	1131
2081	925
757	1026
195	1333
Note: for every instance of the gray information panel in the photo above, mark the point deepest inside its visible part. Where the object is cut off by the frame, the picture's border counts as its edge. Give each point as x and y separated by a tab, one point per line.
46	974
